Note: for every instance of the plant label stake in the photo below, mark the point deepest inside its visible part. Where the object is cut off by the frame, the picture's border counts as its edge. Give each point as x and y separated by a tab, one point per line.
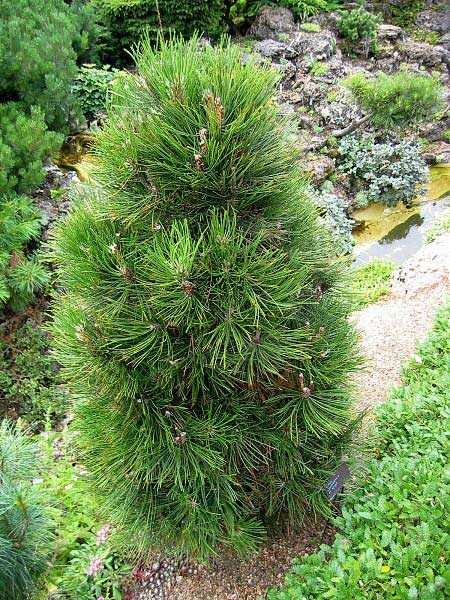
332	488
335	484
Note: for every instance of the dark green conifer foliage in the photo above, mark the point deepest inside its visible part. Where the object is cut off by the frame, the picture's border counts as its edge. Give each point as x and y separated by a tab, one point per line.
37	61
26	526
203	326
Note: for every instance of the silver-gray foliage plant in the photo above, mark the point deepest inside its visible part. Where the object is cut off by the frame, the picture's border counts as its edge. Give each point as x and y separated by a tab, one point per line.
333	210
388	172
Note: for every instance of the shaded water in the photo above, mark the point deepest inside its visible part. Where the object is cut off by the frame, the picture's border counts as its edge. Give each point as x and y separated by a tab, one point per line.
74	155
397	233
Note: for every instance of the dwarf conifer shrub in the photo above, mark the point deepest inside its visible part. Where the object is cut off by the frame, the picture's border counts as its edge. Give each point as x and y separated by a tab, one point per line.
25	144
26	526
38	62
203	326
397	100
21	273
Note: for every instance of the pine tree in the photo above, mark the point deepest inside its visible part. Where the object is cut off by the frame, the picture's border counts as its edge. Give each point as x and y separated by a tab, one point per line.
203	325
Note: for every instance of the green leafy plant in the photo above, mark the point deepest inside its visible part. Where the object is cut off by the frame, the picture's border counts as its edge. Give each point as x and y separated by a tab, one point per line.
305	8
359	24
26	524
423	35
29	382
85	564
38	62
373	281
395	521
25	144
21	274
91	87
385	172
204	321
318	68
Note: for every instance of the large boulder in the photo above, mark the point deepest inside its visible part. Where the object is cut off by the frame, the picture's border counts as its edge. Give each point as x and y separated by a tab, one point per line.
436	18
270	22
424	54
319	45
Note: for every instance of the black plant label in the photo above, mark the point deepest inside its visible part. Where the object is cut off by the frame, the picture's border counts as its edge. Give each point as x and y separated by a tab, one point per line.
336	482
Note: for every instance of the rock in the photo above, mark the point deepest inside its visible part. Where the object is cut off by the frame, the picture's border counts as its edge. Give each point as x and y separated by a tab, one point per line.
427	269
319	45
435	19
271	22
434	130
318	167
445	41
424	54
389	33
272	49
437	152
287	68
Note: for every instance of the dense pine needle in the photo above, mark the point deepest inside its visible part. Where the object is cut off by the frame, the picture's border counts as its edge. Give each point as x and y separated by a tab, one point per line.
204	324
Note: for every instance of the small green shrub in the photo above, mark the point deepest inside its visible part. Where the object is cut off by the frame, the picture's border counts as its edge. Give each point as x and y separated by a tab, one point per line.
25	144
398	100
21	274
373	280
91	87
405	13
310	27
396	519
38	62
127	22
359	24
386	172
29	381
441	225
26	524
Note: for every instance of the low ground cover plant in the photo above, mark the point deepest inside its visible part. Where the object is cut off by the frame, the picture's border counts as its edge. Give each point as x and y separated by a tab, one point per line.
29	380
441	225
373	280
203	324
396	520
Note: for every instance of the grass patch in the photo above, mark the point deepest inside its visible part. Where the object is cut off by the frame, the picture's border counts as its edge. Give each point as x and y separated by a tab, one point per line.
396	521
373	280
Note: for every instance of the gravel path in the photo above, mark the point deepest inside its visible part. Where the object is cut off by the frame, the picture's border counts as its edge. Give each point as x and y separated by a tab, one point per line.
391	329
